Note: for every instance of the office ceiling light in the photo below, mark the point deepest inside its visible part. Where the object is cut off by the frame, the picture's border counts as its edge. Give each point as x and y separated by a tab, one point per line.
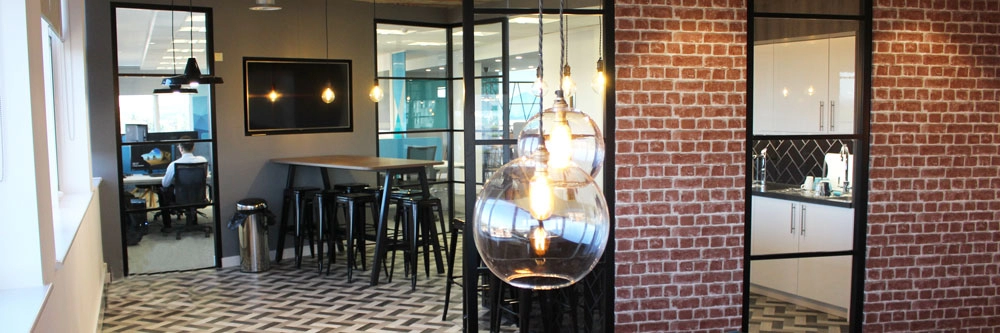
265	5
538	224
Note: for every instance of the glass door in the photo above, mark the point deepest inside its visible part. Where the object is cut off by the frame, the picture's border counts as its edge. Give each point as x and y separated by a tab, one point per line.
168	212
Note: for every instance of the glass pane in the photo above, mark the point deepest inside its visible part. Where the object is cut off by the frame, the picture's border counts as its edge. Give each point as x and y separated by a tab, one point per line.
489	158
162	116
413	105
488	38
489	109
777	29
164	42
843	7
411	51
397	146
458	109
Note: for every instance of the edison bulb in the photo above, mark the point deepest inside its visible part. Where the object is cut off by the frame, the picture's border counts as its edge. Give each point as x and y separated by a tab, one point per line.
375	95
568	86
540	240
539	87
273	95
560	143
328	95
600	79
540	195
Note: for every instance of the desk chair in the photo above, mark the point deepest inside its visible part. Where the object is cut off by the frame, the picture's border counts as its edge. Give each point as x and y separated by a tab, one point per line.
427	153
190	186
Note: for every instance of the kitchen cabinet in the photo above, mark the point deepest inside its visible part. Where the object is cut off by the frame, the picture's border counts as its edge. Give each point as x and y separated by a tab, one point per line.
804	87
763	85
784	226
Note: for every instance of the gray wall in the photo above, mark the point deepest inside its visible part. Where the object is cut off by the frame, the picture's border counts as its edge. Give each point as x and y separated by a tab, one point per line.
243	169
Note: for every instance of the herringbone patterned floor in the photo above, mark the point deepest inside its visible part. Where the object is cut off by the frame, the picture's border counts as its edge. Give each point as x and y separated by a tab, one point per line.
284	299
770	315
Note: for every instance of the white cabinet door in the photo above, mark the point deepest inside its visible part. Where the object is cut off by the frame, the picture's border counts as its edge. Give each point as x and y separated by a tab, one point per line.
826	279
773	231
800	86
777	274
763	89
842	85
773	228
826	228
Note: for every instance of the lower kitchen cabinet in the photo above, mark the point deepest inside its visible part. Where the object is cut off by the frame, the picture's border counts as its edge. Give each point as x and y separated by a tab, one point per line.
785	226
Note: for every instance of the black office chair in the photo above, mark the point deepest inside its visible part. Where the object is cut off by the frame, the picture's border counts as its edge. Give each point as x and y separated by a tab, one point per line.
423	153
190	187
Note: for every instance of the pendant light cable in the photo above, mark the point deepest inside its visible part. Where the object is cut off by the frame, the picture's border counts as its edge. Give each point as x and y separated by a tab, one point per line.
541	72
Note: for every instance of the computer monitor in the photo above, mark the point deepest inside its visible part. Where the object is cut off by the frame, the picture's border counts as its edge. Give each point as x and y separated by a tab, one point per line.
154	158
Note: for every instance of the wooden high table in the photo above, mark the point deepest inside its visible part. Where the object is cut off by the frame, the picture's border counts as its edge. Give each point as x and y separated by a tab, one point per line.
391	166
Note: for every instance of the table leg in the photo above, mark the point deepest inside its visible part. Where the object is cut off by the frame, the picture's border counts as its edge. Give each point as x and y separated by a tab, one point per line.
381	228
289	183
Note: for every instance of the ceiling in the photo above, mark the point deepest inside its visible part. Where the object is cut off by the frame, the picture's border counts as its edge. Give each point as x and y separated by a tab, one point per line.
159	41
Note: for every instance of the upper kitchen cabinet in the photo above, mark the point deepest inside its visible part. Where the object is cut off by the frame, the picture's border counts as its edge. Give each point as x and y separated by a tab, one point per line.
804	83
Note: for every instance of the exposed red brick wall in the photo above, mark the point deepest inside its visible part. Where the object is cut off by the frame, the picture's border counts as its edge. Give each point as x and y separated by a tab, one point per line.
934	236
680	131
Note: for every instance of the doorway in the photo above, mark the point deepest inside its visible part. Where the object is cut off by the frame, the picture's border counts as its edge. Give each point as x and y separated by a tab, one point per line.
158	124
807	156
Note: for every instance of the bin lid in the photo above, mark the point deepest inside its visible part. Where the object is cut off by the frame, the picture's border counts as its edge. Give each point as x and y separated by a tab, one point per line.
250	204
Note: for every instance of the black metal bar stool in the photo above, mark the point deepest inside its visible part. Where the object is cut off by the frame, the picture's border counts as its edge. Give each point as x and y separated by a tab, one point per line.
354	215
418	219
328	226
301	198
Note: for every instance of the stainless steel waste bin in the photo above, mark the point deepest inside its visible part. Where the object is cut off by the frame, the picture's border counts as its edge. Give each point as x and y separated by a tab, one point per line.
254	253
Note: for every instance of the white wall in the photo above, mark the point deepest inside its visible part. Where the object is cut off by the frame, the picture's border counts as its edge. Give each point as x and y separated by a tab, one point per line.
77	283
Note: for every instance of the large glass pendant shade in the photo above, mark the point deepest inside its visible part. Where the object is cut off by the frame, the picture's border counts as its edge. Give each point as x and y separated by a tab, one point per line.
551	253
570	136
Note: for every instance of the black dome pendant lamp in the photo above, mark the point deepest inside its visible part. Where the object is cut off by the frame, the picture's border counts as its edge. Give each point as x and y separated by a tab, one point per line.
192	73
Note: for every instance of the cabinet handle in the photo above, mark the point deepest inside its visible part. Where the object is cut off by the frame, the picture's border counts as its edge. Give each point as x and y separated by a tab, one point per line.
820	115
832	110
802	220
791	220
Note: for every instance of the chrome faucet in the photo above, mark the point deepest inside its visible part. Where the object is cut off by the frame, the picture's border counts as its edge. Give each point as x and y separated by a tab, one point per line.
761	174
845	157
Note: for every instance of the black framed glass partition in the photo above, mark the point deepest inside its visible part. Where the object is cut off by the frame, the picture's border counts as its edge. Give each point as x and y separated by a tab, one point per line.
158	125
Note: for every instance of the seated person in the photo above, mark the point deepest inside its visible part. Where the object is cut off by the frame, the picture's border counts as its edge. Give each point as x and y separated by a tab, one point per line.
167	191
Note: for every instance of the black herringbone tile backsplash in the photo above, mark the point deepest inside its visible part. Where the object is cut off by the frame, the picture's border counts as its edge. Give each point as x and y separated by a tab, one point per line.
790	161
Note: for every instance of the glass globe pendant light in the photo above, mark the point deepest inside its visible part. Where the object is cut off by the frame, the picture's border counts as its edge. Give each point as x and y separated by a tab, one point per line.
550	252
570	135
539	224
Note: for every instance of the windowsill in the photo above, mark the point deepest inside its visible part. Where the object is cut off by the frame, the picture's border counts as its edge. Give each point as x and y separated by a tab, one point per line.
20	308
72	207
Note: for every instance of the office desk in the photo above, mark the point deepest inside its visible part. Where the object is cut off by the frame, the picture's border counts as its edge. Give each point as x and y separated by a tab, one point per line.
391	166
142	180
